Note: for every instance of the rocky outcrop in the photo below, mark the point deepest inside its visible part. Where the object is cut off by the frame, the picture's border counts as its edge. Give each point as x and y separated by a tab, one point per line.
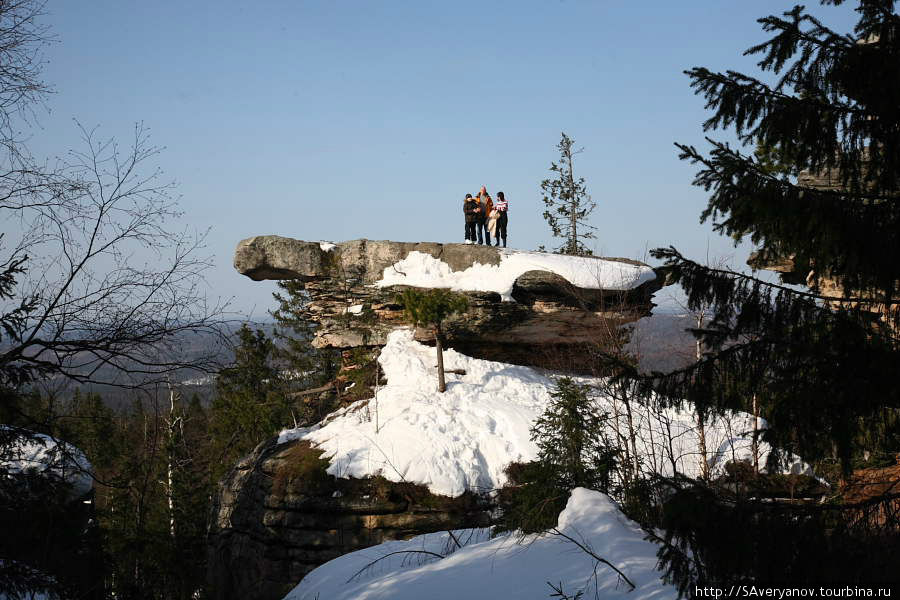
548	316
279	515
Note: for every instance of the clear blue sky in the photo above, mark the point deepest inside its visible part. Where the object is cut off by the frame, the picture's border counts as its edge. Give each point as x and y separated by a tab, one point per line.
339	120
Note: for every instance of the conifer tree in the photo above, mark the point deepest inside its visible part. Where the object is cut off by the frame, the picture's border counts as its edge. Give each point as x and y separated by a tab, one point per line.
250	404
308	366
820	363
568	437
572	452
429	308
568	203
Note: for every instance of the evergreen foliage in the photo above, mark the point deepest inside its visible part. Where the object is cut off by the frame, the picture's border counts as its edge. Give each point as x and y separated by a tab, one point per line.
250	403
309	367
146	538
821	365
712	536
567	438
571	453
568	203
429	308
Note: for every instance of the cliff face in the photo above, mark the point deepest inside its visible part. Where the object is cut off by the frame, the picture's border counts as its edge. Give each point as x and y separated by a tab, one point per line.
279	515
547	319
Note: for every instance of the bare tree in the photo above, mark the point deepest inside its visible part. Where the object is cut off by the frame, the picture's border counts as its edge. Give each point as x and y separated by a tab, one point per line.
91	276
96	285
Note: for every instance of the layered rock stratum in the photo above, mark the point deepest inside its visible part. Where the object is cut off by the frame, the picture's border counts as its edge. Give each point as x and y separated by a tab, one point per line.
543	318
279	515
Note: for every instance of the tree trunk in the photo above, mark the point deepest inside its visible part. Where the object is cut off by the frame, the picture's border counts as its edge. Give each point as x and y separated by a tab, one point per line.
755	445
701	420
573	205
442	385
171	426
701	435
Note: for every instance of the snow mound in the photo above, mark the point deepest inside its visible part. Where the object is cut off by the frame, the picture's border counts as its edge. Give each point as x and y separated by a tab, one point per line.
452	442
423	270
464	438
501	567
41	453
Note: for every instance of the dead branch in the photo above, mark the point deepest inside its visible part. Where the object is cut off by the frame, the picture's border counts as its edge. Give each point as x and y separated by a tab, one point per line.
591	553
310	392
388	555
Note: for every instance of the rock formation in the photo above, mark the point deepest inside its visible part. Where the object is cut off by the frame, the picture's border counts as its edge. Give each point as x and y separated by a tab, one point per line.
279	515
548	316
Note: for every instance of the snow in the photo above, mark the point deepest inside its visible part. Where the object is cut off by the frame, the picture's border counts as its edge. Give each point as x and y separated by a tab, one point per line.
327	246
464	438
356	309
203	380
43	454
503	567
423	270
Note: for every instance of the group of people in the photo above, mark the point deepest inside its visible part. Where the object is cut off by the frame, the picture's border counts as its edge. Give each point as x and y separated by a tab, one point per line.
485	218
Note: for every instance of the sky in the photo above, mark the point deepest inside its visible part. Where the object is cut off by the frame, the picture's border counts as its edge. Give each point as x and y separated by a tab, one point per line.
338	120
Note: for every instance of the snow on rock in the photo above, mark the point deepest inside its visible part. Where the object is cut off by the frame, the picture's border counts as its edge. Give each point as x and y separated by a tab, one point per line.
327	246
452	442
423	270
464	438
43	454
502	567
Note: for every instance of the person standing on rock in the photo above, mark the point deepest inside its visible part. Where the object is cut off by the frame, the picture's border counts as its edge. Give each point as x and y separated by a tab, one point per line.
501	206
492	226
486	205
471	209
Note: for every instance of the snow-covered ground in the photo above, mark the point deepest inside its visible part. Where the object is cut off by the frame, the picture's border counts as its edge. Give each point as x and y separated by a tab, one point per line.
503	567
423	270
464	438
43	454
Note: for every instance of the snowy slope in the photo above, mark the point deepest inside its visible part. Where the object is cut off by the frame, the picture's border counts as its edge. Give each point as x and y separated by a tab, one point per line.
423	270
501	567
463	439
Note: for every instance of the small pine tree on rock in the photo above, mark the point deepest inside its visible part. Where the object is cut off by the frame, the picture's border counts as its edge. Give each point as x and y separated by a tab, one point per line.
429	308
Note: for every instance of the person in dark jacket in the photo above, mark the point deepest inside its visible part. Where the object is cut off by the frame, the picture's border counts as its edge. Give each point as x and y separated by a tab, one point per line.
486	206
501	206
471	209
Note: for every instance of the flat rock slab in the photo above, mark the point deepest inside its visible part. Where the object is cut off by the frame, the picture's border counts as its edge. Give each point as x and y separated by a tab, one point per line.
275	257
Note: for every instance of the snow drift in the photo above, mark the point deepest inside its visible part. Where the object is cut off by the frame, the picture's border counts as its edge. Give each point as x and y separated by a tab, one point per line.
464	438
423	270
503	567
